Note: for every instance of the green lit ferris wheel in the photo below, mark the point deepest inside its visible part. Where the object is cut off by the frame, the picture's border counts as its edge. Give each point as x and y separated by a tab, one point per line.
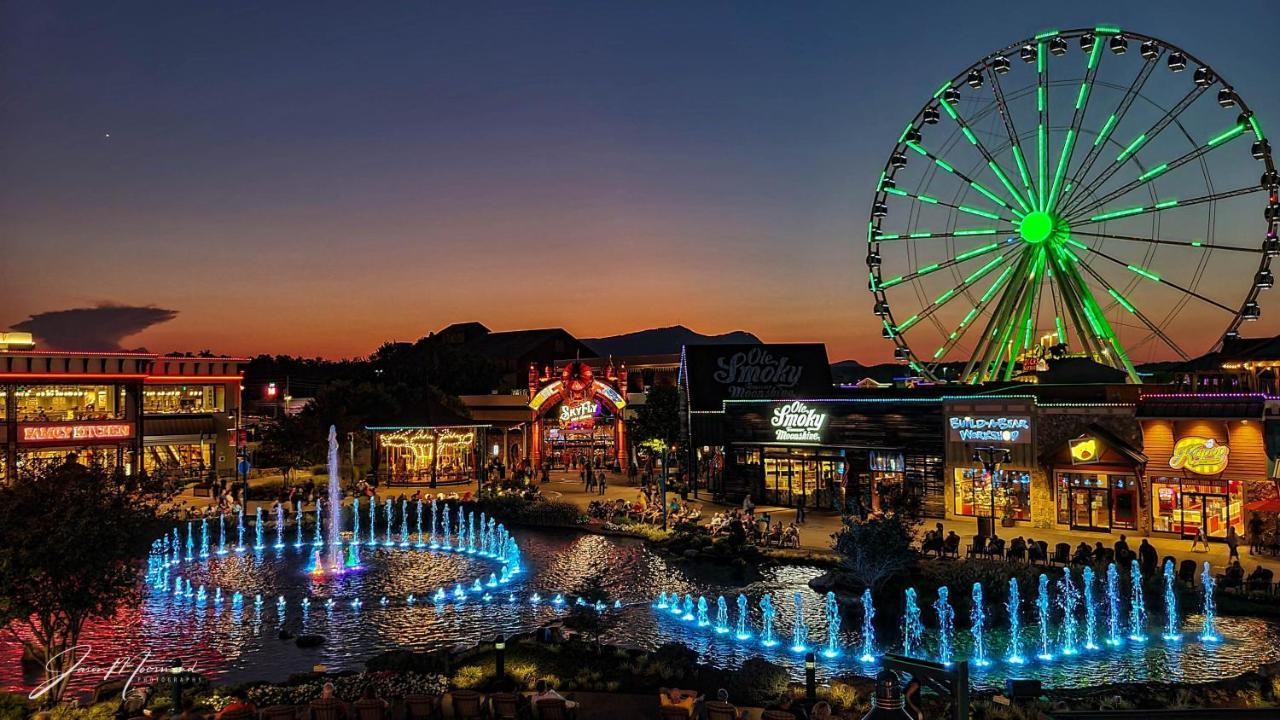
1092	192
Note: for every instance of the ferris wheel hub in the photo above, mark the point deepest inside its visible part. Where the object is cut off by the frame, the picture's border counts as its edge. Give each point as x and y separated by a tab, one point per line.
1038	226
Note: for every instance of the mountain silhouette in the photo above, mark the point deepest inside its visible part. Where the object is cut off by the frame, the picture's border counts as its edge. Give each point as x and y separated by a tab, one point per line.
662	341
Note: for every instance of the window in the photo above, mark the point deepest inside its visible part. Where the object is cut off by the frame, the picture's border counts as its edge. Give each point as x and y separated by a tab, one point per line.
179	399
973	493
64	403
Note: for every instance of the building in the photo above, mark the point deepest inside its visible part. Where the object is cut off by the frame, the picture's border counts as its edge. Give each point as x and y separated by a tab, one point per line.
173	415
513	351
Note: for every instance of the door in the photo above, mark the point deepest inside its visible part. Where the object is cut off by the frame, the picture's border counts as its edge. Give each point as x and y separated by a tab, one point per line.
1215	515
1090	509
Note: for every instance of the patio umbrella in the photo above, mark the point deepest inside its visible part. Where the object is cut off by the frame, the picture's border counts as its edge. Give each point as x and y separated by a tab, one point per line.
1270	505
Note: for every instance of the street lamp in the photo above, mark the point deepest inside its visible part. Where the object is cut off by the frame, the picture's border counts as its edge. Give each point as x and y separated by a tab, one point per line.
991	458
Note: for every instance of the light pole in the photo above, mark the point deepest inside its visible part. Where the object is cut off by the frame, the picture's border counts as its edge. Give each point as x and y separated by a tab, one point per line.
991	458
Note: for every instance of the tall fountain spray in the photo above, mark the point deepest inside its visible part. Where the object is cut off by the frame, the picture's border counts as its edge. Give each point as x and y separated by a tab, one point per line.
688	608
257	528
1014	608
1042	610
912	628
204	537
279	525
1137	605
373	522
1114	621
1172	623
833	626
387	541
767	614
418	521
336	561
355	520
946	624
1069	601
447	543
868	628
240	530
722	615
1207	631
434	517
799	626
404	522
703	620
978	626
318	538
1090	611
222	533
190	540
742	633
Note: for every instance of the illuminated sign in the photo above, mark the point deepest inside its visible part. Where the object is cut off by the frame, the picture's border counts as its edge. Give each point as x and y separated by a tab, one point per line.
79	433
990	428
1084	450
610	394
579	414
1203	456
552	389
797	422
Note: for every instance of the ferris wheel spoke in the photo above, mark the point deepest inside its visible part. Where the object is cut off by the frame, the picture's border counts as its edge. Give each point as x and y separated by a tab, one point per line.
1087	329
986	155
947	167
1014	143
994	334
1114	119
930	200
935	267
1124	302
962	329
1161	241
1042	128
1077	118
1094	315
1145	273
1156	171
950	294
1132	148
1161	206
877	236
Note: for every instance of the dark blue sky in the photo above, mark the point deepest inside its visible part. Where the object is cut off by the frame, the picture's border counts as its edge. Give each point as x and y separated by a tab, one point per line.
318	177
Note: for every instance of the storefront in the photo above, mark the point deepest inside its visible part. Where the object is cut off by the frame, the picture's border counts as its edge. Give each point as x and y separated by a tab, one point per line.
578	416
845	454
1004	490
1205	469
1097	481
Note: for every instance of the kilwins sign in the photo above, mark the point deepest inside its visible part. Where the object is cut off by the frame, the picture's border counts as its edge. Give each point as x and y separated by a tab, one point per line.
755	372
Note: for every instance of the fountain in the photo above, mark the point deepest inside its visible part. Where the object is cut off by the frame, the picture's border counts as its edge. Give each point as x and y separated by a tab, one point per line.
742	632
1172	624
279	525
978	626
418	522
298	524
1042	607
316	567
1090	611
404	522
833	626
446	544
190	541
868	628
687	609
1069	601
222	533
912	628
471	533
799	626
946	624
204	537
660	603
433	542
1113	606
317	539
702	612
722	616
387	541
353	557
1207	632
355	520
240	530
257	529
767	614
1137	606
336	562
373	521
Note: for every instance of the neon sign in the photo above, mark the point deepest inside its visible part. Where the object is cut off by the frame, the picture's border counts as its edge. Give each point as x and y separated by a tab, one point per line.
1203	456
797	422
76	433
990	428
1084	450
579	413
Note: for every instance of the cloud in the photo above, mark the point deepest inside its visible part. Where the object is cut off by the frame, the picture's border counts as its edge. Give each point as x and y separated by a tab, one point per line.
100	328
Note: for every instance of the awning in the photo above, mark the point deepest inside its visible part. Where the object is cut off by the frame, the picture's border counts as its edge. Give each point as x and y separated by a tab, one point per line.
1270	505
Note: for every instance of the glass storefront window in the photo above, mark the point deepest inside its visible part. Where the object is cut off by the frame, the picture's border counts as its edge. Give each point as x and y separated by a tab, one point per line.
179	399
186	460
798	477
1183	506
973	489
62	403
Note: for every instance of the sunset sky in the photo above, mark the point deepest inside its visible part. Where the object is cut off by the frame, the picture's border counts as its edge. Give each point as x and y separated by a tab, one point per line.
316	178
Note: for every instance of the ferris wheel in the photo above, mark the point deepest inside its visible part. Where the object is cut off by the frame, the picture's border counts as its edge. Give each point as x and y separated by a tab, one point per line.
1092	192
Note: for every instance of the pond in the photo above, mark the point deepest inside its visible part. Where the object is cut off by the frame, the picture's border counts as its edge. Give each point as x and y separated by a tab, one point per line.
236	639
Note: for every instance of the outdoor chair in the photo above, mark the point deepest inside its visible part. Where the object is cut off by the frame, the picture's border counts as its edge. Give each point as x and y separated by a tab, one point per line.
995	549
951	546
279	712
1187	572
505	706
1016	553
716	710
422	707
977	547
242	714
1062	554
369	709
671	712
777	715
552	709
1261	583
327	709
466	704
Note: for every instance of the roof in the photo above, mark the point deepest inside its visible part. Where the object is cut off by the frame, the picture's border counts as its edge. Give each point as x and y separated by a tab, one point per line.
1247	406
1250	349
517	343
1079	371
1108	438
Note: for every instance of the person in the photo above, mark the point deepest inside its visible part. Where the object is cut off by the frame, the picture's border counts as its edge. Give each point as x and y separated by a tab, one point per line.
239	706
1255	534
1147	558
821	711
800	511
675	697
1083	553
1233	543
786	703
1200	539
600	482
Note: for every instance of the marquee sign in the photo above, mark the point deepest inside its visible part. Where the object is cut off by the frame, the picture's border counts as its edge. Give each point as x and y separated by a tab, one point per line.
76	432
990	428
581	414
1203	456
715	373
1084	450
797	422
